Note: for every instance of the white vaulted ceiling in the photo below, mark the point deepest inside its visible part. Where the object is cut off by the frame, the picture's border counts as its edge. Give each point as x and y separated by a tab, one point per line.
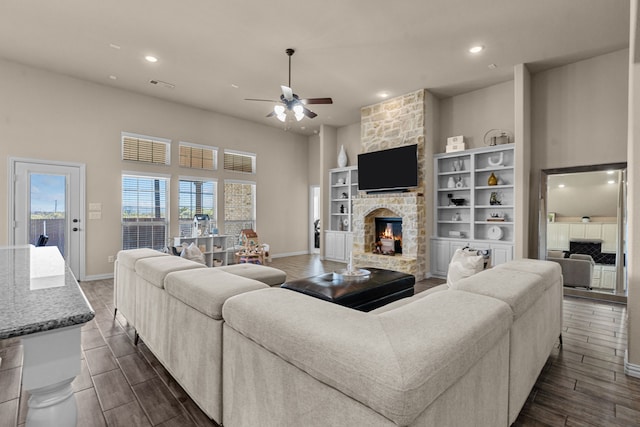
348	50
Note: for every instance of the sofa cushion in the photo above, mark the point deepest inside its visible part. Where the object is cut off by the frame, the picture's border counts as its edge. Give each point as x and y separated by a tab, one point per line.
519	289
268	275
154	270
548	270
206	289
404	301
129	257
383	361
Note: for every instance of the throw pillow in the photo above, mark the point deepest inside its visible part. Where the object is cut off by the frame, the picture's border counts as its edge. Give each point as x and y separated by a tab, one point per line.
464	263
192	252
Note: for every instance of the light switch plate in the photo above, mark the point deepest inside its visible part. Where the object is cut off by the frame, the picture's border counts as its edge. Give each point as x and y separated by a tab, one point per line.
95	206
95	215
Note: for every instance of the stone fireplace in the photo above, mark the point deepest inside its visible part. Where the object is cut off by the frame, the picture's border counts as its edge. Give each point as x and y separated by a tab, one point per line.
393	123
405	208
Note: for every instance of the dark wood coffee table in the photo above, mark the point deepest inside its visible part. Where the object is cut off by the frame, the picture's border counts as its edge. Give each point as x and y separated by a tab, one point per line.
364	294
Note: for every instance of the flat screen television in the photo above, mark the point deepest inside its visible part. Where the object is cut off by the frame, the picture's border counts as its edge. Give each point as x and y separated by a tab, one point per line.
395	169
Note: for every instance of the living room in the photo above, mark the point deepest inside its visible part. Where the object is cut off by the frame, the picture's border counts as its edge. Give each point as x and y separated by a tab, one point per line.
574	114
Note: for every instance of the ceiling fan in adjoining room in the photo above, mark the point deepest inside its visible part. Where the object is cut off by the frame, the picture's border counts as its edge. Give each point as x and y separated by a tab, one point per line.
290	101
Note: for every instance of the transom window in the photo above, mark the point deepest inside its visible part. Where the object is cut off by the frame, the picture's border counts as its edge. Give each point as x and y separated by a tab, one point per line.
238	161
146	149
198	156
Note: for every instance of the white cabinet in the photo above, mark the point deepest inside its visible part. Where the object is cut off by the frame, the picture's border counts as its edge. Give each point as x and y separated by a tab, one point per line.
608	279
442	251
474	202
609	238
588	230
604	277
557	236
338	245
343	187
440	257
217	250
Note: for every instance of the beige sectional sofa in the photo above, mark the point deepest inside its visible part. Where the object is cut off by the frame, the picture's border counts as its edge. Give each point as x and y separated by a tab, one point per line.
465	355
468	354
175	305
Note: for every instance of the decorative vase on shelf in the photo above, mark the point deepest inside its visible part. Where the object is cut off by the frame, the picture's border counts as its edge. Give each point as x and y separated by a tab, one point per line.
492	180
451	183
342	157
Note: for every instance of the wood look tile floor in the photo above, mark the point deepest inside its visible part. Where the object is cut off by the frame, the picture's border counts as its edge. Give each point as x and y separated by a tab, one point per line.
582	384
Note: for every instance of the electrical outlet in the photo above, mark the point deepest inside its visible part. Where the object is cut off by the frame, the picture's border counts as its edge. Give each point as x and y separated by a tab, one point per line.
110	258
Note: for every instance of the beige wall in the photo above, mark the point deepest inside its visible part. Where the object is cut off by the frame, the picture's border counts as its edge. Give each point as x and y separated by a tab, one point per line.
473	114
579	117
633	133
313	172
48	116
349	136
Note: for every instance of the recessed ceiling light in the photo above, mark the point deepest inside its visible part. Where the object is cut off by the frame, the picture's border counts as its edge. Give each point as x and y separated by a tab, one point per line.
114	46
611	181
476	49
235	86
492	66
112	77
151	58
609	172
383	94
560	185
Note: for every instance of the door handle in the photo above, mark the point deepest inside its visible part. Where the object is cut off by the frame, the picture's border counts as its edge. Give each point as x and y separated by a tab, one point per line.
75	228
75	219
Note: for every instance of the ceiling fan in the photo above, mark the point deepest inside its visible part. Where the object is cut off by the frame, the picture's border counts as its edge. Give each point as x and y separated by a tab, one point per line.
290	101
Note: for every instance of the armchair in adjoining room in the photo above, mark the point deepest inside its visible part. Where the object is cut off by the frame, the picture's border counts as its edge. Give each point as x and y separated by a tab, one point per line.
577	270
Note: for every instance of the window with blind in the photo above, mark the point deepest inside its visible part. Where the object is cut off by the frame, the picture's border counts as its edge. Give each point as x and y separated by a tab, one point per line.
196	196
146	149
145	221
239	206
239	162
198	156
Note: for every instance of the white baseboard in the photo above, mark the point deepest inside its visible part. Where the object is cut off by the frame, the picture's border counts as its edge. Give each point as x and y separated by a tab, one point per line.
98	277
630	369
289	254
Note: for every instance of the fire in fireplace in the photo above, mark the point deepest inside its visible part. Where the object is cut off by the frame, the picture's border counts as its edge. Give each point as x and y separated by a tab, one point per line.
388	240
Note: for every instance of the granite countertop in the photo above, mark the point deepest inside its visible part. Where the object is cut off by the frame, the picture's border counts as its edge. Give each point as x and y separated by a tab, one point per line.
38	292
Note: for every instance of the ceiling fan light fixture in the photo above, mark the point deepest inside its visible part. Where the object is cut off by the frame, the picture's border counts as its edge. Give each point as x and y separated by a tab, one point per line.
279	110
299	116
282	117
298	109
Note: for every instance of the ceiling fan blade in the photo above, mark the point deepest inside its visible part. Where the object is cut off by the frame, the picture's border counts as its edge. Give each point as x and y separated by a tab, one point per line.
287	93
271	114
309	113
309	101
264	100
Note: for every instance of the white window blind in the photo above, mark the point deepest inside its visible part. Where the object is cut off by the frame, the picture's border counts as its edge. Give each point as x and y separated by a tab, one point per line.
239	162
198	156
144	149
239	206
196	196
144	212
